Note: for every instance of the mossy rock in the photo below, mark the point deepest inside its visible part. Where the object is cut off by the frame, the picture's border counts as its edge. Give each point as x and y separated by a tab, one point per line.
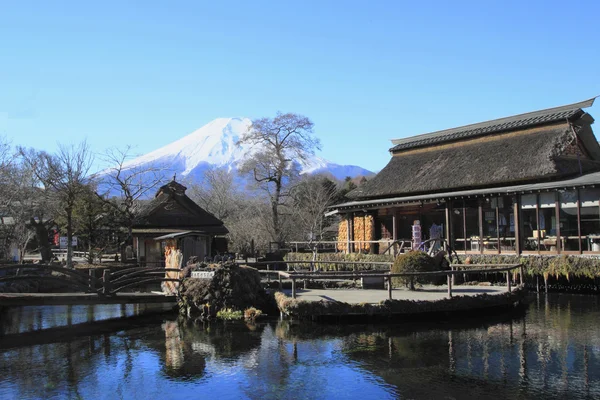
232	286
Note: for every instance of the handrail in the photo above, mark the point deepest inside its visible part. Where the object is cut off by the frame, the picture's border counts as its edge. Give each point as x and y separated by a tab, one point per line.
315	262
497	268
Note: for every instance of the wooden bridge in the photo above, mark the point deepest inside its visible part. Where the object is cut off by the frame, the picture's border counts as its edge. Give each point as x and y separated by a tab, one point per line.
111	288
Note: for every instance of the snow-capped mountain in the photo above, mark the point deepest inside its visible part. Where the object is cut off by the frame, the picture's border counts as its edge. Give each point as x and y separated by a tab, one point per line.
215	146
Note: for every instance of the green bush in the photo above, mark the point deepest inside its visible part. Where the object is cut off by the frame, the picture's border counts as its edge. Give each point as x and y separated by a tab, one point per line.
328	261
413	261
228	314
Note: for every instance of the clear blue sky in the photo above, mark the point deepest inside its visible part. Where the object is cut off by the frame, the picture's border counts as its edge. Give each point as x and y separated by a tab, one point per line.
146	73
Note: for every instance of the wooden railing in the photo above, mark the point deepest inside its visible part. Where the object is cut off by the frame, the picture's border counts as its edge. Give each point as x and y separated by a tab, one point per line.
111	283
387	276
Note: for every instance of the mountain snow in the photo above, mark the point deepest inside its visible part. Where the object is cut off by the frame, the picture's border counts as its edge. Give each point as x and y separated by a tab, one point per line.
214	146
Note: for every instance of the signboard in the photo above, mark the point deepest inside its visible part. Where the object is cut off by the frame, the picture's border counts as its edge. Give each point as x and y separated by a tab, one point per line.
63	241
203	274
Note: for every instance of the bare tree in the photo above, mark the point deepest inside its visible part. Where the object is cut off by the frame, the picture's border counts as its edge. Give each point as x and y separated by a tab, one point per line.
277	145
66	173
129	184
217	193
311	197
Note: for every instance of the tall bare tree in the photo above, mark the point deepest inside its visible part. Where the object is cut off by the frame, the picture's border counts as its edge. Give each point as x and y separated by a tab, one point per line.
277	145
217	193
66	174
128	184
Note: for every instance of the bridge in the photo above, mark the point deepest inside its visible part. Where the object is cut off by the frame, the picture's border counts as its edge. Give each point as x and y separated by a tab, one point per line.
112	288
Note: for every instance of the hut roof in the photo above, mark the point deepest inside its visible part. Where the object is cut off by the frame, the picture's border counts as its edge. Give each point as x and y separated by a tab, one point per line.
172	208
520	121
528	152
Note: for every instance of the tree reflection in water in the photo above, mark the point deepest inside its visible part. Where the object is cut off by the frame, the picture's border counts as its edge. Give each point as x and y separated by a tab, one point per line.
553	351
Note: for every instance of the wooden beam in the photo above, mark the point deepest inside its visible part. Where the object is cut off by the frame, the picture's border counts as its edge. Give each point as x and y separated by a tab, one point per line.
516	223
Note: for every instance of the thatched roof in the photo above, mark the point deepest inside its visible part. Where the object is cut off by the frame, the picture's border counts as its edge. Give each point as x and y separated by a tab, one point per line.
172	208
569	112
460	159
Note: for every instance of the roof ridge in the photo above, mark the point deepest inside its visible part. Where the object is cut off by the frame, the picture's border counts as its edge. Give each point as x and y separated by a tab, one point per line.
529	118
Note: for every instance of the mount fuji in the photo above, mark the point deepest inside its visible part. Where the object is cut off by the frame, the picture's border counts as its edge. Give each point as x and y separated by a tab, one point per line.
215	146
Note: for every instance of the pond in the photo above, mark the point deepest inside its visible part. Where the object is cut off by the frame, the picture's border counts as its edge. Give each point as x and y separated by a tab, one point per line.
551	351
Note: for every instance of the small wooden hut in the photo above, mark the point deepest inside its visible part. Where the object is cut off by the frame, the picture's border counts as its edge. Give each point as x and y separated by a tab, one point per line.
172	221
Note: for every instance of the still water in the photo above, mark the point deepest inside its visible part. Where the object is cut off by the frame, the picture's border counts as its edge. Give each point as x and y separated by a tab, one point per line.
551	351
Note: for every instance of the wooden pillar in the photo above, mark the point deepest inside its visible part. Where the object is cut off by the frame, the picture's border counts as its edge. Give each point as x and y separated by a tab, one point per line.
516	223
106	281
480	209
394	230
579	220
508	287
350	232
559	246
389	287
293	287
449	279
92	275
373	233
498	224
448	232
521	274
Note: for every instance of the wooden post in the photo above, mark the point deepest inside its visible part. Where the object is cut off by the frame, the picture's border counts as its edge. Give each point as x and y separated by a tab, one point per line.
389	287
559	244
537	283
293	287
280	284
521	274
394	231
348	232
305	285
91	280
516	224
449	279
448	227
546	283
268	274
106	281
508	281
480	211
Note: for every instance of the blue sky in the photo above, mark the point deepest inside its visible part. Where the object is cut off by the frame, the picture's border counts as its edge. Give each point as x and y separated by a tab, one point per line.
147	73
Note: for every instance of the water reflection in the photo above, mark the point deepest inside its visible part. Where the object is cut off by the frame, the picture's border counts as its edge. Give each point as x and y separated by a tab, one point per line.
553	351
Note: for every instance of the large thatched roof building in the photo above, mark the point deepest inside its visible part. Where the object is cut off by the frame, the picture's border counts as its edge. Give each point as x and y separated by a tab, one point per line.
516	184
173	219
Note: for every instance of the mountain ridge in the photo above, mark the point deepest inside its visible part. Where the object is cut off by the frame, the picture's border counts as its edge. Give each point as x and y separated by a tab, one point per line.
214	145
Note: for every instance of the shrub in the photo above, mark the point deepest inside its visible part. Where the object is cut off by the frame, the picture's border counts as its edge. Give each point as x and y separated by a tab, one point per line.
413	261
250	314
229	314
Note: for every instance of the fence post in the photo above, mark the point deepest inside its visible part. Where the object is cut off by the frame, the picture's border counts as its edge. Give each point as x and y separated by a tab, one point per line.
91	273
293	287
521	273
280	284
106	281
268	274
389	287
449	279
508	281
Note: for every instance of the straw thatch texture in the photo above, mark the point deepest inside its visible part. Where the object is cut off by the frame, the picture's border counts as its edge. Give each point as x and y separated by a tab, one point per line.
534	154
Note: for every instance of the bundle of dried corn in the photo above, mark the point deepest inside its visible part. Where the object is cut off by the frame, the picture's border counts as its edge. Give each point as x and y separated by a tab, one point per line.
343	235
363	231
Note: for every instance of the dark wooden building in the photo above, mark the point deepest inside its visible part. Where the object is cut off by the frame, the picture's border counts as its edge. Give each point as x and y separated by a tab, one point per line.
526	184
174	221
